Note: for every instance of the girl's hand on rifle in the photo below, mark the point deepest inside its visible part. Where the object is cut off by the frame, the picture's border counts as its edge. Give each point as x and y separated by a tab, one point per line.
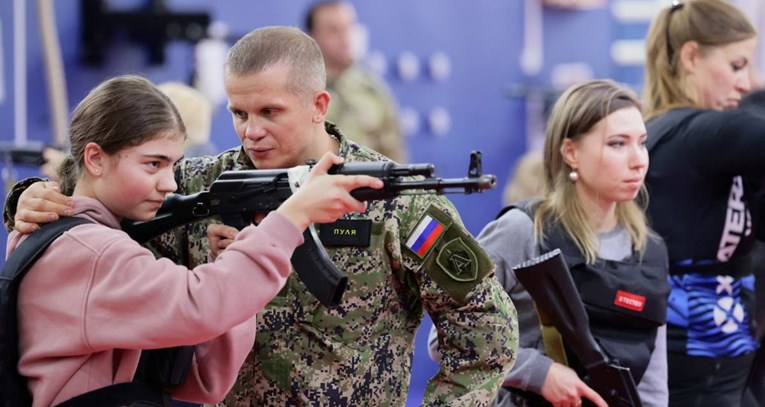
323	198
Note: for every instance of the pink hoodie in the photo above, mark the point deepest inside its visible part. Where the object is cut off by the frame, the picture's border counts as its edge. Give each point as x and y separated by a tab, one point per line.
96	297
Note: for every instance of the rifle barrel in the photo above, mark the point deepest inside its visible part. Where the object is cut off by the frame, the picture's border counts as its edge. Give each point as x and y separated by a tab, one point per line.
451	185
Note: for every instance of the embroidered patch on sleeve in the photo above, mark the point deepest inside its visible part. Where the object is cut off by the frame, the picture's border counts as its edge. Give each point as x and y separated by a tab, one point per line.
425	236
458	261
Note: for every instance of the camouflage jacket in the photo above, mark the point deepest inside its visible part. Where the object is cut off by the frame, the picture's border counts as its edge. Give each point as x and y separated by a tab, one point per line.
360	352
364	107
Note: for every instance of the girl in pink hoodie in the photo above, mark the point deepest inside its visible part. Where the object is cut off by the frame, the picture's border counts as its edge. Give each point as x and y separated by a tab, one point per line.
96	298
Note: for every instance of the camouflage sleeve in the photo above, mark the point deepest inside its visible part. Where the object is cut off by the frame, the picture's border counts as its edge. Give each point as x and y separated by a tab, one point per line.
12	199
475	320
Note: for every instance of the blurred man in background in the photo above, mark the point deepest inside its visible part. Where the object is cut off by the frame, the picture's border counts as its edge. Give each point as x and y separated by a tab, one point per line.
362	105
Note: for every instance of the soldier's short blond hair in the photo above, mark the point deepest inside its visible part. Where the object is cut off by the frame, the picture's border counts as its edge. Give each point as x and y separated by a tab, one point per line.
279	45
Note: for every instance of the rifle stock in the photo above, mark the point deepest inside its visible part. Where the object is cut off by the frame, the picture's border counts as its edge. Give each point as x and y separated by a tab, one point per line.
549	282
237	195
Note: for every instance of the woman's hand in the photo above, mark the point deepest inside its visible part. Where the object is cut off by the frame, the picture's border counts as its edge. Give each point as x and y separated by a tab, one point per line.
563	388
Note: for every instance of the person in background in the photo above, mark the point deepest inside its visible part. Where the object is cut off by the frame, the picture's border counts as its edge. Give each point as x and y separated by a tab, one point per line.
196	112
362	105
411	255
83	321
527	180
595	160
52	159
705	154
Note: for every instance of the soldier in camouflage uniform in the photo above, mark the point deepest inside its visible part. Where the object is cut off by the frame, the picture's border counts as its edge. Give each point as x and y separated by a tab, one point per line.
360	352
362	104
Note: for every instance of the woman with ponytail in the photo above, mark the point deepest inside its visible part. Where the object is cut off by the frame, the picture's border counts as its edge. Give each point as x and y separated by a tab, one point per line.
706	155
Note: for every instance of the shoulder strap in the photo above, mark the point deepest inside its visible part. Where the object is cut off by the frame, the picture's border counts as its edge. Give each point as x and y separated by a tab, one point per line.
655	251
131	394
528	206
555	237
12	386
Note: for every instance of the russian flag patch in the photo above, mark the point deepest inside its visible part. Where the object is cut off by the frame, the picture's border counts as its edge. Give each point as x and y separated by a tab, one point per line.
425	235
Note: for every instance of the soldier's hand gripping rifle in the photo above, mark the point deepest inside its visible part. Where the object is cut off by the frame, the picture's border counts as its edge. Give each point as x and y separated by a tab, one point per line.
237	195
549	282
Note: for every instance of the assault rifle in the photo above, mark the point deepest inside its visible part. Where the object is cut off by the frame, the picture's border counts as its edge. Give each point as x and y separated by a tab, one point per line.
549	282
237	195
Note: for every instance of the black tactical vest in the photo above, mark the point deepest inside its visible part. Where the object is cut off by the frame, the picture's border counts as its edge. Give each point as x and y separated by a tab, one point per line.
626	301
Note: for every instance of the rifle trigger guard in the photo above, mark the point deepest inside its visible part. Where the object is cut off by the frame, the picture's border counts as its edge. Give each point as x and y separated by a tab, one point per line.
200	210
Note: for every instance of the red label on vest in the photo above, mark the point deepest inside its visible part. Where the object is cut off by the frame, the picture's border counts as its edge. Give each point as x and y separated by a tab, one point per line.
630	301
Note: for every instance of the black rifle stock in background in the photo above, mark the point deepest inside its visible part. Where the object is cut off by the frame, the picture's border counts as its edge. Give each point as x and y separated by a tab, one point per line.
549	282
237	195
